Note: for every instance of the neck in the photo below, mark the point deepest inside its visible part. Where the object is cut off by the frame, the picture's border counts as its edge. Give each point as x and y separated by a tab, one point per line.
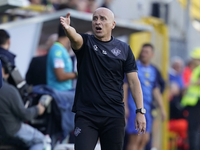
5	46
105	39
63	41
145	63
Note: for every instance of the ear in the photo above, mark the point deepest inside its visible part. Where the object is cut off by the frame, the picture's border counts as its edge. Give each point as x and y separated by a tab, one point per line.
113	25
8	42
152	55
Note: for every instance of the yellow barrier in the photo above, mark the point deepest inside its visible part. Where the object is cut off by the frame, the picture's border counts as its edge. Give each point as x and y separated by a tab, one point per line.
194	7
140	38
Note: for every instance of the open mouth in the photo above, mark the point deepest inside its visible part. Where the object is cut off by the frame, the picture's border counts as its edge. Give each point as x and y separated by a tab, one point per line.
98	28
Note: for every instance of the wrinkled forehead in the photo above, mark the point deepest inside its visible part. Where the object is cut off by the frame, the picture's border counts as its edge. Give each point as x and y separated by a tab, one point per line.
104	12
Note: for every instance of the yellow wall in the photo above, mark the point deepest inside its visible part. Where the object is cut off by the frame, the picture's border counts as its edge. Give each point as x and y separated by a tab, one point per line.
183	3
195	9
140	38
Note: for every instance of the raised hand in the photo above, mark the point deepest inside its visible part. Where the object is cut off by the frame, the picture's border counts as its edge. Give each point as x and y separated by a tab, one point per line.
75	38
65	21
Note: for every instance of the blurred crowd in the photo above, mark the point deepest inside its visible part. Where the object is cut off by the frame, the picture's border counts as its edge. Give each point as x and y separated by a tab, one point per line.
54	72
88	6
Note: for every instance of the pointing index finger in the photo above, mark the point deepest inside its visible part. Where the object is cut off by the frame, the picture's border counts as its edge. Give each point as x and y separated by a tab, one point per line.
68	15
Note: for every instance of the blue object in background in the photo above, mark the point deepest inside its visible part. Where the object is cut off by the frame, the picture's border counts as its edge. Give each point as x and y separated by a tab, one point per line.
1	78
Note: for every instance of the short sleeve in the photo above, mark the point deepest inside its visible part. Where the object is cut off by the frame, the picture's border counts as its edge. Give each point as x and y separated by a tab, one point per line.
130	63
125	79
85	37
161	82
156	81
57	58
155	84
1	78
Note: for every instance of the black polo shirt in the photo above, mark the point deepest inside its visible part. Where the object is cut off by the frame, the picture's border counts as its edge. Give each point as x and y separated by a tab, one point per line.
101	67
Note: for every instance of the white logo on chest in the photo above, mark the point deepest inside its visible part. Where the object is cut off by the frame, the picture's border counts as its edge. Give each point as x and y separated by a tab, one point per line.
104	52
116	51
95	47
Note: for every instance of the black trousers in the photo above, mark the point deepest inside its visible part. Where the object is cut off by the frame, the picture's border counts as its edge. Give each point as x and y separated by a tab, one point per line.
194	126
88	128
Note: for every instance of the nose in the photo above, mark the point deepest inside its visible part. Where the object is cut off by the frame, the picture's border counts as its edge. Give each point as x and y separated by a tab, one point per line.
97	21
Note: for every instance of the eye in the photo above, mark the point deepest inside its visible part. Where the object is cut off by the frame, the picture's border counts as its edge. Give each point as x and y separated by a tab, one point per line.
95	18
103	18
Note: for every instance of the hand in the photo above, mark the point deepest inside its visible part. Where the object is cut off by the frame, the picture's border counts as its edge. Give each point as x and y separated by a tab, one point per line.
41	108
65	21
140	123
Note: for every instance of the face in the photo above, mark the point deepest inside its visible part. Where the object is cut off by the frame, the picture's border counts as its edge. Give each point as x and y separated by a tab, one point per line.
146	54
103	23
178	67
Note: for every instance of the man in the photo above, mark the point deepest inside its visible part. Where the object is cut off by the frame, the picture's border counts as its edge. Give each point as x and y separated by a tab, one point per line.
59	77
4	46
148	77
175	72
102	61
36	73
1	78
13	113
191	102
59	64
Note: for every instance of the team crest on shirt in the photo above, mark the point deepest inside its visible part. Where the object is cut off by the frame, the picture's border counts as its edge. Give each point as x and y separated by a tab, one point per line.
95	47
147	75
116	51
104	52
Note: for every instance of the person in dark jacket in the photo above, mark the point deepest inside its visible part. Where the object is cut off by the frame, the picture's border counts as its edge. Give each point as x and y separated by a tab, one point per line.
5	45
1	78
36	73
13	114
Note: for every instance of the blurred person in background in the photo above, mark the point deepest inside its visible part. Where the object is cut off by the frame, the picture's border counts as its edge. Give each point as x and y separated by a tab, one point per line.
102	61
187	71
60	75
36	73
5	45
82	5
106	3
149	82
153	142
59	64
72	4
191	101
54	3
175	72
36	2
13	114
91	6
176	87
42	6
1	77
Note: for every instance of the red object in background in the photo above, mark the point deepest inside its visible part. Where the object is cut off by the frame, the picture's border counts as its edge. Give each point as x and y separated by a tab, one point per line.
180	126
186	76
